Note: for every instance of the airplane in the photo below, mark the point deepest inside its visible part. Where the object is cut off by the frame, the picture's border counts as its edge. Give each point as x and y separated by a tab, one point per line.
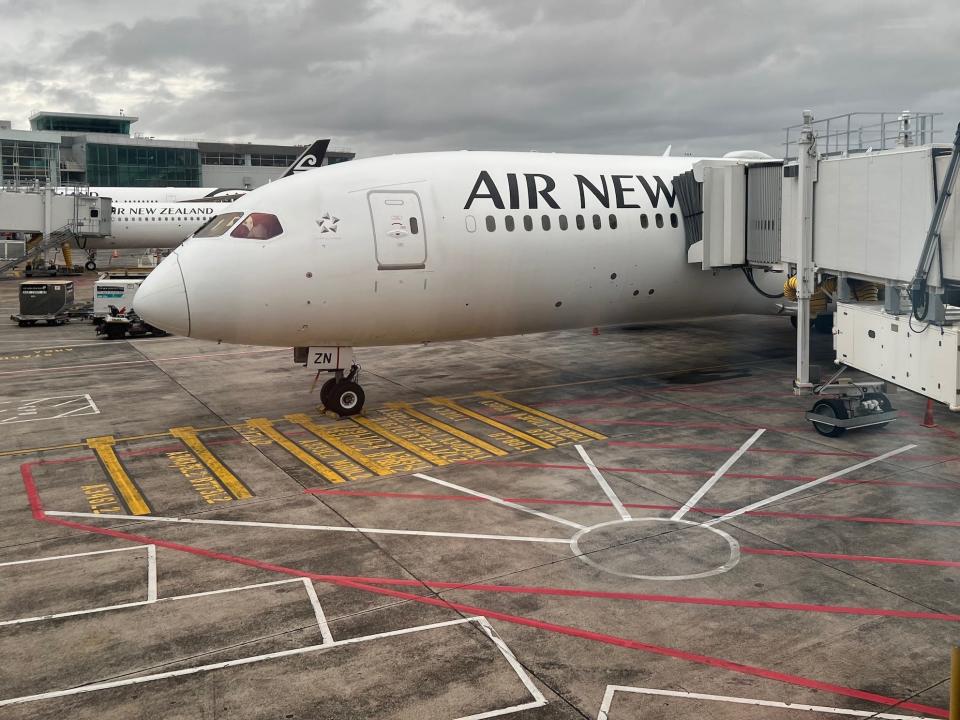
152	223
439	246
310	158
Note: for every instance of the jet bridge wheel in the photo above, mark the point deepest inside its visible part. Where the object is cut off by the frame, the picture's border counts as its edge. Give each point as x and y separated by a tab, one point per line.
343	397
830	408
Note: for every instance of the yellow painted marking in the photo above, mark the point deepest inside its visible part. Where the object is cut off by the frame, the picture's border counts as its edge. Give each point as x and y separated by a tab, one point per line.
491	422
544	415
380	430
103	447
365	460
450	429
266	427
9	453
188	436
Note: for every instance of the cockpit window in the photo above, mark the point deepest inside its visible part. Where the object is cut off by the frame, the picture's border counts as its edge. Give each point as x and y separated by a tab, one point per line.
258	226
218	225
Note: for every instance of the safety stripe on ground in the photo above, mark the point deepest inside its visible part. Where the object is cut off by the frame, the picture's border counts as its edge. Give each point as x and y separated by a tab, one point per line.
132	497
231	482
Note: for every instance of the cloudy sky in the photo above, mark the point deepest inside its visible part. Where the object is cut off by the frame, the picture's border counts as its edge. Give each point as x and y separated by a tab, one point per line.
384	76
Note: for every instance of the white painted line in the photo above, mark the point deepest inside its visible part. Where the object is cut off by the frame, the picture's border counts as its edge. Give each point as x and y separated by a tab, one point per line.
805	486
501	501
151	573
538	698
233	663
331	528
37	409
150	361
611	689
602	482
72	555
141	603
721	471
318	611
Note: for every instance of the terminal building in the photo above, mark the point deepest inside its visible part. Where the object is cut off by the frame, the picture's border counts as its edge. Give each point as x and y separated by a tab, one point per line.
99	150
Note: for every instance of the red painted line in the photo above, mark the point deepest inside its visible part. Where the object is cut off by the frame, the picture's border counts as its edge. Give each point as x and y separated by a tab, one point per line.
642	506
734	424
686	600
772	451
708	473
570	631
853	558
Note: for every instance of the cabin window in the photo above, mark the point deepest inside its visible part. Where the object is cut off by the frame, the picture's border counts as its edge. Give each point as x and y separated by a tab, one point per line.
659	220
563	222
509	223
674	221
491	223
580	222
545	222
613	221
597	223
527	223
414	226
644	221
471	223
258	226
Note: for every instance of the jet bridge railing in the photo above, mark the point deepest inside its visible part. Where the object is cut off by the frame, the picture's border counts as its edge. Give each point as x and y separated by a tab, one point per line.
858	132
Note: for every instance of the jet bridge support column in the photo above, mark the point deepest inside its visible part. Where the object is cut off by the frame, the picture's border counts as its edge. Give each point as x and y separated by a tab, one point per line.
807	169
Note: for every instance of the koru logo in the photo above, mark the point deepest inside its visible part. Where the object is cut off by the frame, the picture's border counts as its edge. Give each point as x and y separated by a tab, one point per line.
328	223
307	162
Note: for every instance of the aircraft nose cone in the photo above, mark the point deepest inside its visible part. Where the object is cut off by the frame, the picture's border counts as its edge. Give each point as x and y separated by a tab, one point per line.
162	298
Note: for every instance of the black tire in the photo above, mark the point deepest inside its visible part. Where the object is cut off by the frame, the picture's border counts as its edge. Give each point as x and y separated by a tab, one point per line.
832	409
90	265
824	323
325	391
115	332
345	398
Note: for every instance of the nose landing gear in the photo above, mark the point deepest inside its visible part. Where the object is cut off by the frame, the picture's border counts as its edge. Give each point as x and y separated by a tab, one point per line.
342	394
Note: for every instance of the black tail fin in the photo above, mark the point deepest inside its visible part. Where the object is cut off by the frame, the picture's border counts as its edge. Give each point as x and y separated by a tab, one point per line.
311	158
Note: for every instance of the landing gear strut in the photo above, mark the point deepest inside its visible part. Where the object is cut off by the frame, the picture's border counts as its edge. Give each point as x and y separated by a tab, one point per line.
342	393
91	263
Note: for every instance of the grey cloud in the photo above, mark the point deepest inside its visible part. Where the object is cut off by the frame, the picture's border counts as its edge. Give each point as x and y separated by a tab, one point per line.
604	76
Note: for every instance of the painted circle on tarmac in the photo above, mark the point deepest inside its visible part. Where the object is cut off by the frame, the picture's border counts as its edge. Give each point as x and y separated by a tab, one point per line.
680	550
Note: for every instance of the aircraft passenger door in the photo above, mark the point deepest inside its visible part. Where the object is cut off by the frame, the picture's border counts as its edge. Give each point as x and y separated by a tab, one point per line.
399	237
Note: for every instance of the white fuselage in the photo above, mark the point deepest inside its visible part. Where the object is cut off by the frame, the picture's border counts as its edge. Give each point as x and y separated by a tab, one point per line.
154	224
414	248
156	194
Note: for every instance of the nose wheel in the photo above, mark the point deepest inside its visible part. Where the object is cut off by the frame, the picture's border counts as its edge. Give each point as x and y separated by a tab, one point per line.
342	394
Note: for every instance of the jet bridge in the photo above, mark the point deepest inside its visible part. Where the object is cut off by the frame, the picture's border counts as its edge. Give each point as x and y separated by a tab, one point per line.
875	216
54	221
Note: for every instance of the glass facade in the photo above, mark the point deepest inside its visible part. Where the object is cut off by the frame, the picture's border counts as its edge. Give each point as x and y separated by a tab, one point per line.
221	158
23	162
139	166
57	123
272	160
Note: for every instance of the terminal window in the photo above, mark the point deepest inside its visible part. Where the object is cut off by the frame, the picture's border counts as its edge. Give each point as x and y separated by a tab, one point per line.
214	158
25	162
142	166
267	160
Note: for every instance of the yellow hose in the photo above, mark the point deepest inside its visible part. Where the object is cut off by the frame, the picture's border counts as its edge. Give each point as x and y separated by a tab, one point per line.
865	291
818	301
67	255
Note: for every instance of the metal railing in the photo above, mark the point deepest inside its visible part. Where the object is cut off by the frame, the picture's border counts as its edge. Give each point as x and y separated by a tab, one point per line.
55	239
857	132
